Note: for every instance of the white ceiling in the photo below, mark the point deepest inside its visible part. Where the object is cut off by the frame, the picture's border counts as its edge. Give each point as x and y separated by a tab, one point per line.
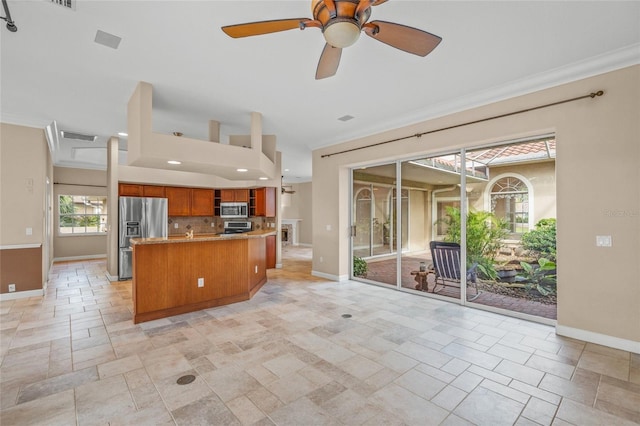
51	69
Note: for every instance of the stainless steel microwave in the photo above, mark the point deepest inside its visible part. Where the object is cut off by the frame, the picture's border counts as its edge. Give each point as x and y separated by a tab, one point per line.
234	210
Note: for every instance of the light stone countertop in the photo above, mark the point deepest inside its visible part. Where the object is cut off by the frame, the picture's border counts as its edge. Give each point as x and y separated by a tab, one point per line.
261	233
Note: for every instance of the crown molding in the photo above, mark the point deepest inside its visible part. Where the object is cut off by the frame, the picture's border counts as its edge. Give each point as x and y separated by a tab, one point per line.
601	64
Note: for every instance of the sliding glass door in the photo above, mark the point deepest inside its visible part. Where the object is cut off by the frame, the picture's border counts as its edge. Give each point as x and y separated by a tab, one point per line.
465	226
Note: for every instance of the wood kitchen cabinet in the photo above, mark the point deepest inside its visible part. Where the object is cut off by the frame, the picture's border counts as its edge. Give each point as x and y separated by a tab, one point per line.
129	190
271	251
265	199
234	195
179	201
153	191
201	202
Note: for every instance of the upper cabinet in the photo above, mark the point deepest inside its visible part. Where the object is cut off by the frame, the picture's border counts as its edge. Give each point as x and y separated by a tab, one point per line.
190	201
153	191
234	195
129	190
265	202
201	202
179	201
138	190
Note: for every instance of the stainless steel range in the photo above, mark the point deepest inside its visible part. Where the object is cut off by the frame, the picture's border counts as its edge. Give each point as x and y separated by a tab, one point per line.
237	226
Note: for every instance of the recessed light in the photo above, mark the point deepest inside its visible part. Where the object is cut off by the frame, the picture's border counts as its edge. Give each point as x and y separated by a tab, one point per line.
122	134
263	178
286	170
174	162
178	134
242	170
346	118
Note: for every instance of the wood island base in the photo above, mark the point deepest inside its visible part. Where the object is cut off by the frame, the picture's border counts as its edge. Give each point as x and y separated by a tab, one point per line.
176	275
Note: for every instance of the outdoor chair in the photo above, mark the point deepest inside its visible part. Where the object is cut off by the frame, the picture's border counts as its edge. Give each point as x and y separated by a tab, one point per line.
446	263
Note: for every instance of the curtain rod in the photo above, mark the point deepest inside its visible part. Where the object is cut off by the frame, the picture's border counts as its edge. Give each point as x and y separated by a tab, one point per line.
79	184
418	135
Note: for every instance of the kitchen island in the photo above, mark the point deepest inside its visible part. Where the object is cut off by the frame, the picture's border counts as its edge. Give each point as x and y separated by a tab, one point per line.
177	274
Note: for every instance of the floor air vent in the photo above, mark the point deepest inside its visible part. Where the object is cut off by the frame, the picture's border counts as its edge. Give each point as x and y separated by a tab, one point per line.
78	136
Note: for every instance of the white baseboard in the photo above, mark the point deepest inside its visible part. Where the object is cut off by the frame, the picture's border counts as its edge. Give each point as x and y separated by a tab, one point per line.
331	277
304	245
89	256
21	294
278	265
600	339
112	278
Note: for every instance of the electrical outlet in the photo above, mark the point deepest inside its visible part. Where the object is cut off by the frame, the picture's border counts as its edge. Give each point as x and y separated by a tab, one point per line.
200	282
175	225
29	231
12	288
213	224
603	240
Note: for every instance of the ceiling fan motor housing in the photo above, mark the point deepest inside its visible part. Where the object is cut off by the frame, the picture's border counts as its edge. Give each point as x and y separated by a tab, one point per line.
343	29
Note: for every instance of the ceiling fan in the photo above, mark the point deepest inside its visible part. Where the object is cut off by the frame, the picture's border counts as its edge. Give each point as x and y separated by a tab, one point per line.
283	186
341	22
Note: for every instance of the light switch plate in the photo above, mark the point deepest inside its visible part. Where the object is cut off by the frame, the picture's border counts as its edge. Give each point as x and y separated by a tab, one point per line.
29	231
200	282
175	225
603	241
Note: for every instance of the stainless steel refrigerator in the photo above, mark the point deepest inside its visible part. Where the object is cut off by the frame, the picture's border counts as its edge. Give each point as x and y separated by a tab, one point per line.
140	217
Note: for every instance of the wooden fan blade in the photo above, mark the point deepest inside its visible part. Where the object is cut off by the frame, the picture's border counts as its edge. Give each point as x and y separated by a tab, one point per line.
401	37
262	27
329	61
379	2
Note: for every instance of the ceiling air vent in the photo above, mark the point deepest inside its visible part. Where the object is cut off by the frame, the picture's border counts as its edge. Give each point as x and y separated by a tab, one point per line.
69	4
78	136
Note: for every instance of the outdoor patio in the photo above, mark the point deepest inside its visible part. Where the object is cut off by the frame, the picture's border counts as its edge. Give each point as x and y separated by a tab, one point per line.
384	271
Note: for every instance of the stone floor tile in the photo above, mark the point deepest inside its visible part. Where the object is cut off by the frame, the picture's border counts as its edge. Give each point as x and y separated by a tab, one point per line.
472	355
98	402
209	410
360	367
420	384
485	407
520	372
449	397
540	411
56	409
550	366
582	392
614	366
119	366
575	413
245	410
407	406
301	412
284	365
231	382
57	384
488	374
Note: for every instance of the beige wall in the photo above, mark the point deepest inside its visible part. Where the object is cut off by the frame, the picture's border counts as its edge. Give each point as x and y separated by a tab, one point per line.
24	170
597	148
298	206
70	181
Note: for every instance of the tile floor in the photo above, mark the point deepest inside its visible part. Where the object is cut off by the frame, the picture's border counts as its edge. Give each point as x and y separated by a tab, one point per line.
289	357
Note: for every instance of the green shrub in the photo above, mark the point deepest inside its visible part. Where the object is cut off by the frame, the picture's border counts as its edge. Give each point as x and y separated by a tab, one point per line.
360	267
484	234
541	277
541	241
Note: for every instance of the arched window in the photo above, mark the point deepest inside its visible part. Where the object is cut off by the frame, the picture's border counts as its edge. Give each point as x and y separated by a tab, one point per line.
510	201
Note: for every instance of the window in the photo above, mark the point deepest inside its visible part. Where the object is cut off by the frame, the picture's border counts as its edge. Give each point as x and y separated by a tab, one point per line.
510	201
82	214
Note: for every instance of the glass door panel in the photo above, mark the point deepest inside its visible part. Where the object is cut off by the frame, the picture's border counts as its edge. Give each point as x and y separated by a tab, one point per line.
507	226
431	186
373	242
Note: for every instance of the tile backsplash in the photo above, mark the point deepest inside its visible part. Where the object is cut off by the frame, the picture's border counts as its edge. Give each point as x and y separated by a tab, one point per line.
202	225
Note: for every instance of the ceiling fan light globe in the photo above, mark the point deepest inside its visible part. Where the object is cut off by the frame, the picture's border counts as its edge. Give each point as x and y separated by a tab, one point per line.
342	34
